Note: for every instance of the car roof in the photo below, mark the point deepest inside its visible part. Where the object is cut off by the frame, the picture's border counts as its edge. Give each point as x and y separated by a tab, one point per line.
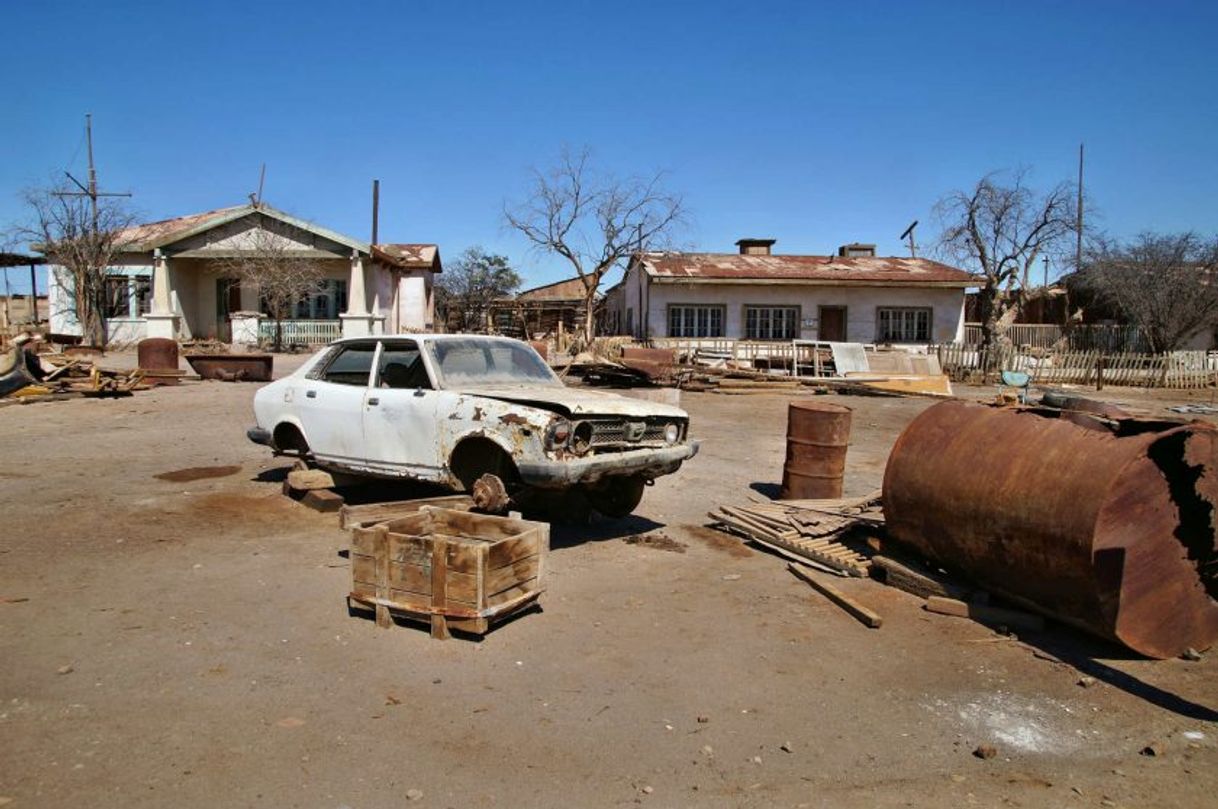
433	336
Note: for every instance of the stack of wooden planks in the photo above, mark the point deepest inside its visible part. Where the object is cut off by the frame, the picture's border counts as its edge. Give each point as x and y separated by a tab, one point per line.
820	532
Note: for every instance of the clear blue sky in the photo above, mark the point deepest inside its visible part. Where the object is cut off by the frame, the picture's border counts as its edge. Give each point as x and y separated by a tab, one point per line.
812	123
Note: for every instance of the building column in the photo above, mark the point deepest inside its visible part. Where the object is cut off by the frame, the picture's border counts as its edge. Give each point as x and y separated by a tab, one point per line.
162	320
357	321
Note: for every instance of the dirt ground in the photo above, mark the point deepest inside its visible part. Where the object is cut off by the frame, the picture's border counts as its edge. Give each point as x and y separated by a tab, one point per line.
174	638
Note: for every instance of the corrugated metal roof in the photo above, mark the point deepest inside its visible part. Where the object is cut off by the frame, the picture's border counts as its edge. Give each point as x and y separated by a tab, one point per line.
152	235
693	267
568	289
410	256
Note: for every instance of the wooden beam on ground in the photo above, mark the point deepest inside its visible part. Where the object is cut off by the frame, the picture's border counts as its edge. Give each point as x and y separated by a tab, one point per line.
985	614
866	616
323	500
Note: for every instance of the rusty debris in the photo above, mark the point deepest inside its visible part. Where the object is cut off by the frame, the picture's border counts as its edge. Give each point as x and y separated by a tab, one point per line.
817	435
1106	524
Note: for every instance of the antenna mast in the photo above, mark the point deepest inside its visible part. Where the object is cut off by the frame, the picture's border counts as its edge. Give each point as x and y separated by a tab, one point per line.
909	233
91	191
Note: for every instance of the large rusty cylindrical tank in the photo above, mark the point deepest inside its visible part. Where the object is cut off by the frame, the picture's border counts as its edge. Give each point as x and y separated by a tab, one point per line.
1106	525
817	435
157	354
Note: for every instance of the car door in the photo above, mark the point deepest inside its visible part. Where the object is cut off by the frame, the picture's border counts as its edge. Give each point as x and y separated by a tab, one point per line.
332	406
401	429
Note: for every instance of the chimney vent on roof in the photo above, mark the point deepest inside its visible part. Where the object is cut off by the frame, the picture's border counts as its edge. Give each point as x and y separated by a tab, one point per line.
855	250
755	247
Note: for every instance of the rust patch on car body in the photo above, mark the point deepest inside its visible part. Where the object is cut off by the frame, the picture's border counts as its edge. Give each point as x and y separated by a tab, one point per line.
513	418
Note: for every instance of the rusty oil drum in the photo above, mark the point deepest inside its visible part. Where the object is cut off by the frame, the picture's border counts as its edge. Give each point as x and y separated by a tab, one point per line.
817	435
1105	524
157	354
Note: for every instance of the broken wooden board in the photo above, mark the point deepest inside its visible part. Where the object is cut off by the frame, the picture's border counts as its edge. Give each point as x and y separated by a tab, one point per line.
916	579
985	614
372	513
865	615
915	385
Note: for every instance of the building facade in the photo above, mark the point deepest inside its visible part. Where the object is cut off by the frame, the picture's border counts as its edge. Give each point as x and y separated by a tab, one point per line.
173	279
755	294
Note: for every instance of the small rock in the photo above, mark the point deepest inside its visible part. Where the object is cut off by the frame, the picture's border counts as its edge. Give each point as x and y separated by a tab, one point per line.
436	681
702	720
1191	654
1119	772
756	759
732	577
958	778
647	790
707	750
1076	791
65	670
414	794
1085	681
1152	749
785	747
1193	735
985	751
1107	802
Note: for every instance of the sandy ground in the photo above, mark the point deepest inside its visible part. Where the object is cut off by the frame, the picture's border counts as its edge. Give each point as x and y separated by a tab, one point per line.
188	643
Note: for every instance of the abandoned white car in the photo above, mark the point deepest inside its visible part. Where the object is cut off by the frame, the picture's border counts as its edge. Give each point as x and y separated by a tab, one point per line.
461	410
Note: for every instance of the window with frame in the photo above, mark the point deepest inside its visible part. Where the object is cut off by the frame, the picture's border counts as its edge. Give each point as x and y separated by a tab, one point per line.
351	366
771	322
695	321
903	324
401	366
118	296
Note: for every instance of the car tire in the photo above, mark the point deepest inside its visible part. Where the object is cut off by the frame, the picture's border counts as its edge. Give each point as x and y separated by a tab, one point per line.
617	496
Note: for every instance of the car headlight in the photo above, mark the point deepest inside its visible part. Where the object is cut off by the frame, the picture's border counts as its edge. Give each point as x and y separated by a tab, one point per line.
581	437
558	433
672	433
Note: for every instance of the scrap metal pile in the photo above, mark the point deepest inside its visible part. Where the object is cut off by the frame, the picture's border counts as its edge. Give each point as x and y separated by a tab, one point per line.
26	376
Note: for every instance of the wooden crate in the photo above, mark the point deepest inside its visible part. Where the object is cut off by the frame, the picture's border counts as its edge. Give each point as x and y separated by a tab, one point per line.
450	568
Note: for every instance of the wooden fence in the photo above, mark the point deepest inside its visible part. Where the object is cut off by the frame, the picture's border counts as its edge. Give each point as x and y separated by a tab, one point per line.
1179	369
1083	337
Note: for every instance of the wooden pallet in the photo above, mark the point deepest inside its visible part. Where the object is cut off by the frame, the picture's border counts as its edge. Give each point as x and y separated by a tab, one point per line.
807	535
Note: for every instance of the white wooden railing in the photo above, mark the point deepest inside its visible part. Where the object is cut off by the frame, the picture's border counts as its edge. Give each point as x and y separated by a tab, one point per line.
301	332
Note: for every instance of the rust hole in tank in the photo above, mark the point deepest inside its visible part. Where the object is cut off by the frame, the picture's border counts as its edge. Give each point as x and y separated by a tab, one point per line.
1195	510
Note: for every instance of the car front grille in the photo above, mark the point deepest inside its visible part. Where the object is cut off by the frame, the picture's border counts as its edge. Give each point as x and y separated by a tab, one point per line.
614	432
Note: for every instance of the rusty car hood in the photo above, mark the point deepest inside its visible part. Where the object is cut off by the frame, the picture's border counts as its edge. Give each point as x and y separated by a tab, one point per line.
574	401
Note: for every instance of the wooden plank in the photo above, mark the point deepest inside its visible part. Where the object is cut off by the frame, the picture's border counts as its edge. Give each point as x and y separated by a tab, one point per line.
439	589
866	616
915	579
417	578
983	613
380	576
350	516
510	575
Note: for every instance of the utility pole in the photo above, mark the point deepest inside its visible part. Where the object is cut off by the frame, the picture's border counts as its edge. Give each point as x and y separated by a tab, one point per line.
1045	259
91	191
1078	249
376	209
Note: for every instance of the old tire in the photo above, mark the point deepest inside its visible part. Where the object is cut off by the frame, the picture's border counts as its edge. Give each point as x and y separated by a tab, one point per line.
618	496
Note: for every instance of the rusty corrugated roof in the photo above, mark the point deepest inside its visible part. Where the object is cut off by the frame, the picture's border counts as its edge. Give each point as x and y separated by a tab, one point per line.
408	256
568	289
163	231
863	270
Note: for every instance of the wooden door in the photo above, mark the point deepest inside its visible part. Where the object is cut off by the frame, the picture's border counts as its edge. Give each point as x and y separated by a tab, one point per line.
832	324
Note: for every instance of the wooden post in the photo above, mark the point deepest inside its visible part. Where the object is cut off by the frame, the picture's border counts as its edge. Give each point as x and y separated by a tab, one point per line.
34	292
1099	372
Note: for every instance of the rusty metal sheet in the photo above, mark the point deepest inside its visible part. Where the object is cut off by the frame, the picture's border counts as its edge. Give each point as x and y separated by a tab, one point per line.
1109	528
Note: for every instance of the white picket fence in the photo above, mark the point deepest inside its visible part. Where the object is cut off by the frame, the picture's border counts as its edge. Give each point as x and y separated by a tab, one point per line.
301	332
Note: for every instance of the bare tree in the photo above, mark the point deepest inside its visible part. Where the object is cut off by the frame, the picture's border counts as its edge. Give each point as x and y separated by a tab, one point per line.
594	222
271	262
1000	231
81	237
1164	283
471	282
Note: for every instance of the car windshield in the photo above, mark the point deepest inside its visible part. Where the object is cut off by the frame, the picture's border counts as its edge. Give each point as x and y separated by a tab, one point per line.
477	361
